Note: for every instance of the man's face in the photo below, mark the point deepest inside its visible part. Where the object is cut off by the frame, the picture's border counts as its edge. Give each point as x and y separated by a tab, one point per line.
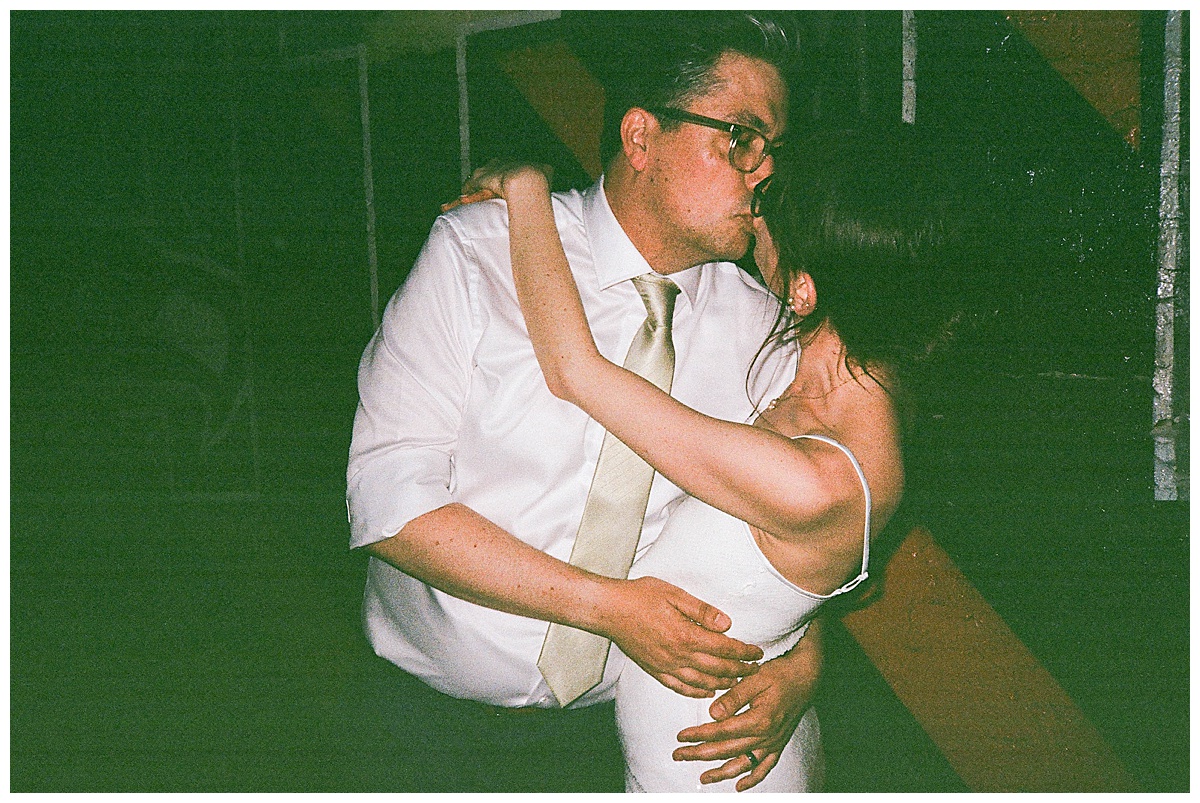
700	201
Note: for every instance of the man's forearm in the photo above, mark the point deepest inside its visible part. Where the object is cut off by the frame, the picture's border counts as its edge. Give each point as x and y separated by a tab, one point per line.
675	637
458	551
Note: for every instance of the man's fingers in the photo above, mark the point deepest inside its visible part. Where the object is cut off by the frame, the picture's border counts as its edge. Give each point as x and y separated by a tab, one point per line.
729	670
716	751
734	700
734	728
720	646
703	679
730	769
758	773
711	675
730	724
741	765
680	687
703	614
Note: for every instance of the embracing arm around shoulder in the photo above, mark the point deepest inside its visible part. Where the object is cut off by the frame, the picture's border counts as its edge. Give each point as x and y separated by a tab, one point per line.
759	476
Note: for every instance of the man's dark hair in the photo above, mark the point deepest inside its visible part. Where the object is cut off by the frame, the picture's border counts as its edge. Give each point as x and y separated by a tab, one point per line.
667	59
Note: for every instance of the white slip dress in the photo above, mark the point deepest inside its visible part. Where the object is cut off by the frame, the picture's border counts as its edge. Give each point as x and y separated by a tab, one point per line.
714	557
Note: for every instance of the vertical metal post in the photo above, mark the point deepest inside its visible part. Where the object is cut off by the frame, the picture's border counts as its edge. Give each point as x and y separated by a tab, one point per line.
860	44
464	124
368	183
245	287
1165	481
486	23
908	102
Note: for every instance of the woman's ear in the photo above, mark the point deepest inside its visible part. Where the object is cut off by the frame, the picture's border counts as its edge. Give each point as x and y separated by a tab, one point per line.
635	130
802	295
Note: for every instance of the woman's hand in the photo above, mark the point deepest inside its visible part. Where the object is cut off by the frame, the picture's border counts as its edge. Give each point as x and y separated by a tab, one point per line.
498	179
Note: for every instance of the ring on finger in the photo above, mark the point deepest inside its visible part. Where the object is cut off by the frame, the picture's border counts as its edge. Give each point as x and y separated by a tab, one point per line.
754	760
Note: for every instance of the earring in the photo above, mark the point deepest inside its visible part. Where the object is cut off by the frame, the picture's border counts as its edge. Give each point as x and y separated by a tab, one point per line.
798	301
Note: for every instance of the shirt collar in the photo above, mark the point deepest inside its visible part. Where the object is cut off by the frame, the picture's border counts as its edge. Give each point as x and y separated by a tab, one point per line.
615	257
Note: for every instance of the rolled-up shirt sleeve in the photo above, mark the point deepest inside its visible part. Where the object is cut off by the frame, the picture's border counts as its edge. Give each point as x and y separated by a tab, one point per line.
413	382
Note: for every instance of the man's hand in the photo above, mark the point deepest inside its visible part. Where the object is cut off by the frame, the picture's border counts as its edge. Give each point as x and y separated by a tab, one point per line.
676	638
774	699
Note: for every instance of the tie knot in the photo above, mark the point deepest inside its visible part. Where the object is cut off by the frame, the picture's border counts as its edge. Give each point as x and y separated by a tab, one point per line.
658	294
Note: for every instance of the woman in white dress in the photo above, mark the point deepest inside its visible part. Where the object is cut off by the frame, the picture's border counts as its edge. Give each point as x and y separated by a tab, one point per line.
780	512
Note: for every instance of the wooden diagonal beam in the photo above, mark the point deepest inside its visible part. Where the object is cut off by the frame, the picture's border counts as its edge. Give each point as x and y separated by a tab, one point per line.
1001	720
564	94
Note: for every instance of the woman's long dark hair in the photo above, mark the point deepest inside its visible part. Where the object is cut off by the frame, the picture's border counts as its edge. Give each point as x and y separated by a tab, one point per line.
877	228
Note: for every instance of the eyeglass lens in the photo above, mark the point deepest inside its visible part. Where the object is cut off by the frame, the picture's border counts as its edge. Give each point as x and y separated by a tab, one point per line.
747	150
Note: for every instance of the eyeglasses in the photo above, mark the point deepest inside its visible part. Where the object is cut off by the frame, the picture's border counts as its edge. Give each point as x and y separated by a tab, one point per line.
762	202
748	148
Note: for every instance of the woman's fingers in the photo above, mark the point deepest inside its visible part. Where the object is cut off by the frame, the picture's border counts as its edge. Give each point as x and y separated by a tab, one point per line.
471	197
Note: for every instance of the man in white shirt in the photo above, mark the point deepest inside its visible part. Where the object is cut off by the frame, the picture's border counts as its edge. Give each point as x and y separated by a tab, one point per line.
467	478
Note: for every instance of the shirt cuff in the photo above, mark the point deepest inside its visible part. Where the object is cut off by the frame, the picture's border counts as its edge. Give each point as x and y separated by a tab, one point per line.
383	498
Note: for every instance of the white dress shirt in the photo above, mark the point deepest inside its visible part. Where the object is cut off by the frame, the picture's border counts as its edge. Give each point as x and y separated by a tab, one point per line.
453	408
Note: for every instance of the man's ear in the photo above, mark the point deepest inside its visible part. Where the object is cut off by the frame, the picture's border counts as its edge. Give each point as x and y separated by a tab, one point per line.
635	135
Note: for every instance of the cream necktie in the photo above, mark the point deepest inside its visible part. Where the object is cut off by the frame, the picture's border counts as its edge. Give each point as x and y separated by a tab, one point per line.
572	661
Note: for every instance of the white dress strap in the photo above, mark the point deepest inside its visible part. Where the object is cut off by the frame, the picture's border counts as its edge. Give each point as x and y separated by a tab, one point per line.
867	519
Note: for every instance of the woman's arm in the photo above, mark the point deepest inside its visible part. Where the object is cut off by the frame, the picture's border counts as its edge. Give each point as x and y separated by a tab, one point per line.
756	475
